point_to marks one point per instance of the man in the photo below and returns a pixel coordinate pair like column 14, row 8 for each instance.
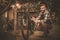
column 44, row 17
column 44, row 13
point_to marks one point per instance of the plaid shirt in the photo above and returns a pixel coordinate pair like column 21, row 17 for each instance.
column 46, row 15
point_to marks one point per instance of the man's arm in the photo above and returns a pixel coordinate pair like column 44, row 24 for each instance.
column 39, row 16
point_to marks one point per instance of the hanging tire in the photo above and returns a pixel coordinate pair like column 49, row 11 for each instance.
column 4, row 5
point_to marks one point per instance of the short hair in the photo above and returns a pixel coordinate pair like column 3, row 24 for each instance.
column 42, row 4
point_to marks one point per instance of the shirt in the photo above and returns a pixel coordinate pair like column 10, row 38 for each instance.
column 44, row 16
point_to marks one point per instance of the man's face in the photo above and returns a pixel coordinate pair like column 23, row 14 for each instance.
column 42, row 8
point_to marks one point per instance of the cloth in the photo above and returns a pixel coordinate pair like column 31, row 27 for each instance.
column 44, row 16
